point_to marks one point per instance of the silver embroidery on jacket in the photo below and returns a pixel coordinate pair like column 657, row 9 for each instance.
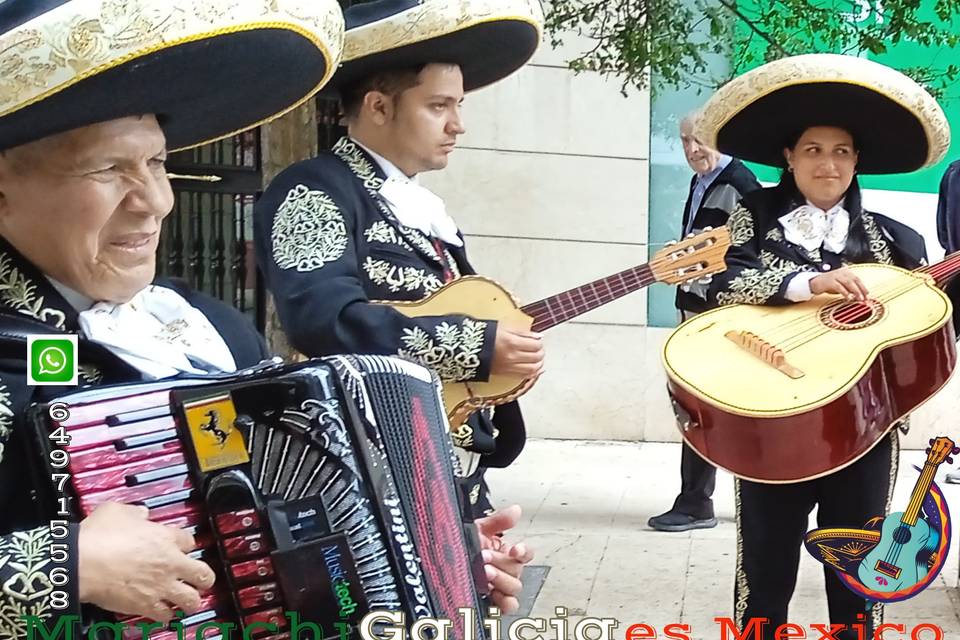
column 309, row 231
column 454, row 352
column 397, row 278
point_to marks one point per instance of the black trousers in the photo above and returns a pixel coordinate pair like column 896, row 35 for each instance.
column 771, row 523
column 698, row 478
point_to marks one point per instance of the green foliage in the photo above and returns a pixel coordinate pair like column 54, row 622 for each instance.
column 673, row 40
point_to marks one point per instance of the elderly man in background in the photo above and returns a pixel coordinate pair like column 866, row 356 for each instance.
column 718, row 184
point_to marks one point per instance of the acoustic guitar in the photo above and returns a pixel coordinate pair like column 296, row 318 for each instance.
column 788, row 393
column 694, row 258
column 900, row 559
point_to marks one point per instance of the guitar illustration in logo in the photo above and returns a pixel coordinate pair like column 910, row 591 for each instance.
column 907, row 541
column 895, row 557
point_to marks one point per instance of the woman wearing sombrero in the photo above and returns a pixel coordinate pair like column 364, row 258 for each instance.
column 93, row 94
column 354, row 225
column 822, row 118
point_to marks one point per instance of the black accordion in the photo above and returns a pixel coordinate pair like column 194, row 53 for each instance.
column 325, row 488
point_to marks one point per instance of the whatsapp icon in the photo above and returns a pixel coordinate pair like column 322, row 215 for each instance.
column 52, row 360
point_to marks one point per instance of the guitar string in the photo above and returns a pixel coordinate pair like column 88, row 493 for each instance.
column 937, row 270
column 563, row 306
column 900, row 287
column 895, row 287
column 845, row 315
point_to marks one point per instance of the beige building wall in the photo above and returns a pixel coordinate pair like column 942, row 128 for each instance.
column 550, row 186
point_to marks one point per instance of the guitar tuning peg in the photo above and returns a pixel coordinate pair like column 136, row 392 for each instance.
column 932, row 440
column 708, row 228
column 927, row 450
column 955, row 451
column 705, row 280
column 949, row 460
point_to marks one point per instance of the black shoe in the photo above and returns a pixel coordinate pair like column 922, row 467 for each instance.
column 674, row 520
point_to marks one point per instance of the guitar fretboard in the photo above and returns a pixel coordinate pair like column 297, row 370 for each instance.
column 912, row 513
column 943, row 270
column 564, row 306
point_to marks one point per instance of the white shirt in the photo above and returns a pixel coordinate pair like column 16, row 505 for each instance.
column 158, row 332
column 414, row 205
column 812, row 228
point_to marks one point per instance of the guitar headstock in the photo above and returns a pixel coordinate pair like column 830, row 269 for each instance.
column 692, row 258
column 940, row 450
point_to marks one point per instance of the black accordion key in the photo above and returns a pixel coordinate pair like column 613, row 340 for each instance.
column 112, row 455
column 135, row 473
column 154, row 494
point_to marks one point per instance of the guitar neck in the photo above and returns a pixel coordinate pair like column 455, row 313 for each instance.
column 945, row 269
column 920, row 490
column 561, row 307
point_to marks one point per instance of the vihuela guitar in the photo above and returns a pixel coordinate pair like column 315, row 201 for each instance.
column 900, row 559
column 691, row 259
column 788, row 393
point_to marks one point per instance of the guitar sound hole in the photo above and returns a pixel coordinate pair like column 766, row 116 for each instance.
column 845, row 315
column 901, row 535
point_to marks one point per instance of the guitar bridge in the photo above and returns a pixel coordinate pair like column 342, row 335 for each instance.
column 887, row 569
column 774, row 356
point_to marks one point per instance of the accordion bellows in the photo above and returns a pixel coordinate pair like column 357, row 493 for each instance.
column 325, row 488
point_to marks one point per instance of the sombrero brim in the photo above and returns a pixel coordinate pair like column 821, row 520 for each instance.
column 205, row 76
column 898, row 126
column 489, row 40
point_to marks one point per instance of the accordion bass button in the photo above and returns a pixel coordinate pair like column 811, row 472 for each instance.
column 239, row 546
column 251, row 569
column 270, row 616
column 236, row 521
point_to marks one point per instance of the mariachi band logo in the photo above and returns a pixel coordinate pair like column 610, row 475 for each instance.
column 895, row 557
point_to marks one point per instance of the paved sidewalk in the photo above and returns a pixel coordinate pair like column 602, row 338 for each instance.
column 586, row 506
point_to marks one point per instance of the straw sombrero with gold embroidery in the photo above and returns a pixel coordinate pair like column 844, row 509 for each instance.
column 897, row 125
column 206, row 68
column 488, row 39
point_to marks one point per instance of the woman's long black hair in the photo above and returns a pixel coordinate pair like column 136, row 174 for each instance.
column 858, row 246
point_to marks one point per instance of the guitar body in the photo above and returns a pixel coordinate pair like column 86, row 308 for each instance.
column 479, row 298
column 790, row 393
column 899, row 560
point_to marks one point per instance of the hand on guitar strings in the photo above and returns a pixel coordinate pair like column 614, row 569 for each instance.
column 517, row 353
column 503, row 562
column 130, row 565
column 842, row 281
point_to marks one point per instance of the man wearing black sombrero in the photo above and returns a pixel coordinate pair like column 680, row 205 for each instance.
column 93, row 94
column 823, row 119
column 354, row 225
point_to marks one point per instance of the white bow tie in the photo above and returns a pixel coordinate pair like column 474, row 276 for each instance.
column 419, row 208
column 812, row 227
column 159, row 333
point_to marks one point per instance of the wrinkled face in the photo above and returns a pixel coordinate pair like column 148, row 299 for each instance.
column 426, row 120
column 701, row 158
column 823, row 163
column 86, row 206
